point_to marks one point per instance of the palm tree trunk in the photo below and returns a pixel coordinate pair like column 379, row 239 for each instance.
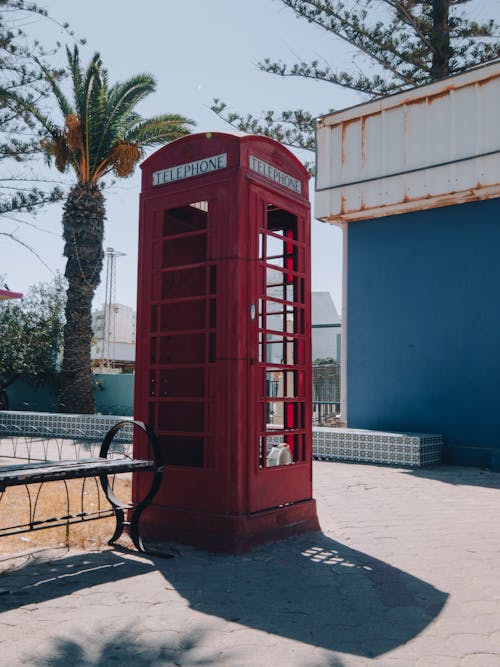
column 83, row 226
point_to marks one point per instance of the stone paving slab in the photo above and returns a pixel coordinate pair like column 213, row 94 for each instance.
column 406, row 571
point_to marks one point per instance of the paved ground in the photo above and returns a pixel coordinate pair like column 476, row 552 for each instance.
column 405, row 572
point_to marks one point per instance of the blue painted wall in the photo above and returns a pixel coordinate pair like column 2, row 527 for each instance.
column 424, row 327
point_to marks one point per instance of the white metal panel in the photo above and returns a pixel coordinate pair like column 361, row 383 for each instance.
column 415, row 142
column 351, row 137
column 393, row 139
column 439, row 140
column 489, row 129
column 430, row 146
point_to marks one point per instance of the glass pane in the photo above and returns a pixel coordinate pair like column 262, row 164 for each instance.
column 275, row 350
column 289, row 352
column 273, row 385
column 275, row 414
column 274, row 278
column 281, row 384
column 276, row 322
column 275, row 251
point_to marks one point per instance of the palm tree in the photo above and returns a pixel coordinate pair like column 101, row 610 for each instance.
column 101, row 133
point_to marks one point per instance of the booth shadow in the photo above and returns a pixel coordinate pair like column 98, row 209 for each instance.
column 315, row 590
column 311, row 589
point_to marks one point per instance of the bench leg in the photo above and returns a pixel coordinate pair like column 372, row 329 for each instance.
column 136, row 511
column 134, row 528
column 139, row 509
column 117, row 508
column 140, row 506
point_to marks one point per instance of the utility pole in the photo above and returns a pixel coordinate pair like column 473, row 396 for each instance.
column 108, row 332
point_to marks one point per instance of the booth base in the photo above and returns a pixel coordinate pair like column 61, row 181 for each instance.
column 225, row 532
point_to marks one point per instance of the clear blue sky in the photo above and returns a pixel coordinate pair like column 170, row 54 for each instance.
column 197, row 50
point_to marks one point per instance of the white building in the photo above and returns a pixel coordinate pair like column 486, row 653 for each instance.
column 114, row 330
column 326, row 330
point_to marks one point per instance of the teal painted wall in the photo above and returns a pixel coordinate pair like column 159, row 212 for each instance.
column 116, row 397
column 114, row 394
column 25, row 396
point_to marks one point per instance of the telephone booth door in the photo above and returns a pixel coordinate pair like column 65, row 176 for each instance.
column 282, row 351
column 177, row 374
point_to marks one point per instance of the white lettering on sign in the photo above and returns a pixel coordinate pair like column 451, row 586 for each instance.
column 274, row 174
column 190, row 169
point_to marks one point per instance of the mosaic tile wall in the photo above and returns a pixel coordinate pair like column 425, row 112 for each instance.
column 403, row 449
column 361, row 446
column 61, row 425
column 329, row 444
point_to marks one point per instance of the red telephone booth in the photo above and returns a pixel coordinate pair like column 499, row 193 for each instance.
column 223, row 367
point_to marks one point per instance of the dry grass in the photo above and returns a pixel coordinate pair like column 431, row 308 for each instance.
column 51, row 500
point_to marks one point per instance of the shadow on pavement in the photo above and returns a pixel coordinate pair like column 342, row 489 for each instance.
column 311, row 589
column 123, row 649
column 457, row 475
column 315, row 590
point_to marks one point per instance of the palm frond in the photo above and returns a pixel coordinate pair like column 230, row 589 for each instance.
column 124, row 97
column 119, row 116
column 96, row 118
column 90, row 92
column 76, row 76
column 102, row 132
column 159, row 130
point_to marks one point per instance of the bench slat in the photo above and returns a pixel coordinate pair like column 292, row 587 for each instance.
column 51, row 471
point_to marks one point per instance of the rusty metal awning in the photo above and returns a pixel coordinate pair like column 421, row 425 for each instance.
column 7, row 294
column 435, row 145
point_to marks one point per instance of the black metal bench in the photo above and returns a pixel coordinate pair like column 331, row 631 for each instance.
column 98, row 466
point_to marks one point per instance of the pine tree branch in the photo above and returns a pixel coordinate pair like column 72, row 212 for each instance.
column 350, row 27
column 415, row 45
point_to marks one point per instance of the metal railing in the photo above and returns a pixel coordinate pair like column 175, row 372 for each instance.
column 326, row 393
